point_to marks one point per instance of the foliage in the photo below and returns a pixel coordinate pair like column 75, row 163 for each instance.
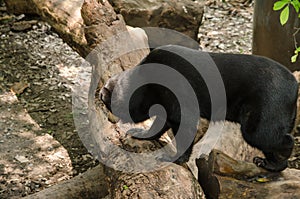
column 294, row 57
column 284, row 6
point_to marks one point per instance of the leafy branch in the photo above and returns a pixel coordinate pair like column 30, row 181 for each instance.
column 284, row 6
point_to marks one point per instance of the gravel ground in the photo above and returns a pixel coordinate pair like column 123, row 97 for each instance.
column 226, row 27
column 39, row 145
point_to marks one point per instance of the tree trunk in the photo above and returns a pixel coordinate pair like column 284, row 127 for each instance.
column 171, row 181
column 270, row 38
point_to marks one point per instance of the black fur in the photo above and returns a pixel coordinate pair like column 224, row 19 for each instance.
column 261, row 95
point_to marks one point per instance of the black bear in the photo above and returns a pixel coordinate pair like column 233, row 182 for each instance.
column 260, row 94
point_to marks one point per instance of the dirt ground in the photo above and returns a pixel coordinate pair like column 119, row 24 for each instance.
column 39, row 145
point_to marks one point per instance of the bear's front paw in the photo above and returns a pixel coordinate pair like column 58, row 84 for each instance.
column 260, row 162
column 270, row 165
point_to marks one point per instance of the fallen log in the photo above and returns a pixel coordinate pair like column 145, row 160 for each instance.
column 91, row 184
column 229, row 178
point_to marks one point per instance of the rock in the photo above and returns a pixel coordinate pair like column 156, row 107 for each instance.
column 182, row 15
column 21, row 159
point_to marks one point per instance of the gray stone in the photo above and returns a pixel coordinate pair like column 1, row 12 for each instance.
column 184, row 16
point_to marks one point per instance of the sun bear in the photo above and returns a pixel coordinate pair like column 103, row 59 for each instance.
column 260, row 94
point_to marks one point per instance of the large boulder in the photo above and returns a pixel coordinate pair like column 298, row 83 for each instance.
column 182, row 15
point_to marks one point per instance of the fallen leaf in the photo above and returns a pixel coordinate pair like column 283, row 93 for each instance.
column 19, row 87
column 262, row 180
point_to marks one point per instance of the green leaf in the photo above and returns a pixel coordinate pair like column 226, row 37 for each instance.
column 296, row 5
column 279, row 5
column 294, row 58
column 297, row 2
column 284, row 15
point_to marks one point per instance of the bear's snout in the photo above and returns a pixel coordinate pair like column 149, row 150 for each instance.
column 105, row 96
column 106, row 91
